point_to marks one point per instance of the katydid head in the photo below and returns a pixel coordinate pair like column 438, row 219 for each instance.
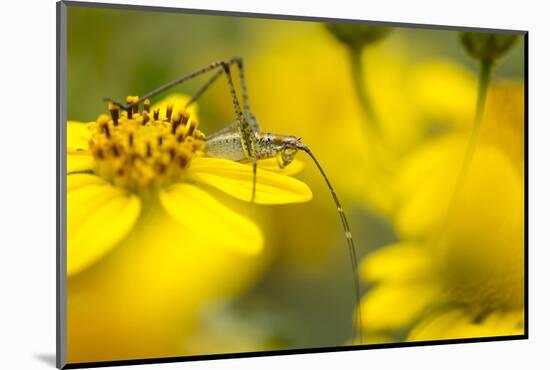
column 283, row 146
column 287, row 156
column 290, row 146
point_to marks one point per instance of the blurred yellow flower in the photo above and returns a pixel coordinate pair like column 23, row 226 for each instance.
column 457, row 272
column 147, row 243
column 310, row 92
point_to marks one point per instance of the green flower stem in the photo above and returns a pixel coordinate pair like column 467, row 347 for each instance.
column 482, row 89
column 356, row 60
column 381, row 157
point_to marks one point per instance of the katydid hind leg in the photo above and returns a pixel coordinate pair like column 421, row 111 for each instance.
column 204, row 87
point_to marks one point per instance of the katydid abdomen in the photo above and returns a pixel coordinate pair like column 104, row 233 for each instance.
column 227, row 145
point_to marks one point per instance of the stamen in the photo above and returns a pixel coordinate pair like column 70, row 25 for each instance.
column 161, row 167
column 188, row 140
column 176, row 121
column 114, row 110
column 146, row 105
column 130, row 100
column 145, row 118
column 191, row 128
column 169, row 109
column 182, row 161
column 199, row 135
column 103, row 122
column 199, row 140
column 156, row 113
column 185, row 117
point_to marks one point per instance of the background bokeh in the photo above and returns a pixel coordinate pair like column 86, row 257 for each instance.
column 300, row 293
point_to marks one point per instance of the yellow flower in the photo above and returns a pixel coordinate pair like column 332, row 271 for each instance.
column 115, row 165
column 458, row 272
column 148, row 242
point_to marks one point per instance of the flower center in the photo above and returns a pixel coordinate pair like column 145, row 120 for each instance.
column 137, row 150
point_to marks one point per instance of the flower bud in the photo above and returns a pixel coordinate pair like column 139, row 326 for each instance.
column 357, row 35
column 487, row 47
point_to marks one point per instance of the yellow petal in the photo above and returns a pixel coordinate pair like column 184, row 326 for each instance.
column 456, row 324
column 503, row 123
column 80, row 161
column 403, row 261
column 374, row 338
column 178, row 101
column 426, row 184
column 482, row 247
column 76, row 181
column 444, row 326
column 199, row 212
column 443, row 91
column 393, row 306
column 506, row 323
column 157, row 281
column 295, row 167
column 235, row 179
column 78, row 136
column 99, row 215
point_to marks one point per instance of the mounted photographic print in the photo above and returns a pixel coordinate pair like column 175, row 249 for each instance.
column 234, row 184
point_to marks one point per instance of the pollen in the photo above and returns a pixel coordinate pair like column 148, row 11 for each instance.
column 138, row 150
